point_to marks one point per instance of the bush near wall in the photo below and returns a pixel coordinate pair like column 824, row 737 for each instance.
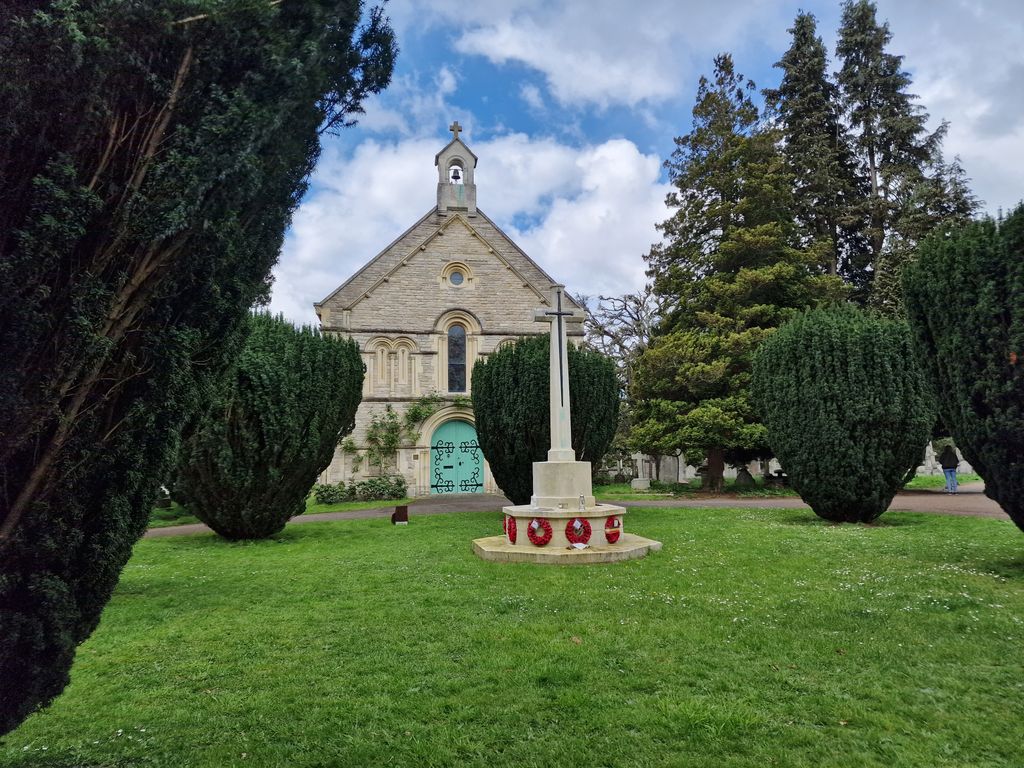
column 848, row 412
column 372, row 489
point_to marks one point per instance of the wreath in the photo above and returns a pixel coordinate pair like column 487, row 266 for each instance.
column 539, row 531
column 612, row 529
column 577, row 530
column 510, row 528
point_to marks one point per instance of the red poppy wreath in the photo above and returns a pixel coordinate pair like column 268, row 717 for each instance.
column 539, row 531
column 577, row 530
column 510, row 528
column 612, row 529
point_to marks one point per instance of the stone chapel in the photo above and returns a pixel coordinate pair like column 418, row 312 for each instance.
column 448, row 292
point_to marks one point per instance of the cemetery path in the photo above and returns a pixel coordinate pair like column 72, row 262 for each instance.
column 970, row 502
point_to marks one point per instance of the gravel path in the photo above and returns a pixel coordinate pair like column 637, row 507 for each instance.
column 970, row 502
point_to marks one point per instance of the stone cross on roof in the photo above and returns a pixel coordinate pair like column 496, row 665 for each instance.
column 455, row 128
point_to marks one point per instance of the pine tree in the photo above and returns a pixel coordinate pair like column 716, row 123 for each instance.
column 290, row 399
column 828, row 193
column 151, row 155
column 893, row 144
column 731, row 268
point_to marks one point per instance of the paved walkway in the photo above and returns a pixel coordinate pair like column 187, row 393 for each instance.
column 970, row 502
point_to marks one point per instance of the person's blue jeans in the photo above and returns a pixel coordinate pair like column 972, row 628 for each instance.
column 950, row 480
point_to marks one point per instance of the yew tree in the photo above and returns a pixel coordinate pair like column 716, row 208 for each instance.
column 151, row 155
column 965, row 301
column 511, row 409
column 848, row 413
column 290, row 399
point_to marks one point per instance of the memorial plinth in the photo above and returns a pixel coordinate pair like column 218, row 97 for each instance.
column 563, row 523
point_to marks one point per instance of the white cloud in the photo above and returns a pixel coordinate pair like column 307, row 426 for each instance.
column 967, row 62
column 605, row 52
column 530, row 93
column 592, row 211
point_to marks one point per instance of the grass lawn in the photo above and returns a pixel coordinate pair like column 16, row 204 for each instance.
column 624, row 492
column 926, row 482
column 178, row 515
column 755, row 638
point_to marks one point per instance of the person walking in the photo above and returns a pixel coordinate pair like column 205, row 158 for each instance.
column 949, row 462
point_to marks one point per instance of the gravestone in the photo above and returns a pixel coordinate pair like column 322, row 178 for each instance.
column 563, row 523
column 641, row 482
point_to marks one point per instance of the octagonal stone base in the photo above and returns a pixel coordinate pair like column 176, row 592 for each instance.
column 628, row 547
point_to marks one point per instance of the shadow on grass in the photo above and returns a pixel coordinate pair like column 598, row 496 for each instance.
column 899, row 520
column 1009, row 569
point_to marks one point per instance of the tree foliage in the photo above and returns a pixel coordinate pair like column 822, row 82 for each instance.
column 732, row 268
column 151, row 154
column 292, row 397
column 848, row 413
column 965, row 301
column 828, row 191
column 893, row 146
column 511, row 409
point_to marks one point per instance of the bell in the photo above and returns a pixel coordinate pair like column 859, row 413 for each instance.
column 455, row 174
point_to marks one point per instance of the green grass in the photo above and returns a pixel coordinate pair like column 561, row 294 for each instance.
column 178, row 515
column 755, row 638
column 927, row 482
column 312, row 508
column 623, row 492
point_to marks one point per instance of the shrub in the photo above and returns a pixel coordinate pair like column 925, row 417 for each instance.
column 510, row 404
column 965, row 301
column 847, row 411
column 380, row 488
column 330, row 494
column 250, row 466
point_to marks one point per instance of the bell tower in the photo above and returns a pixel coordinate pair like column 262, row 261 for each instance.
column 456, row 188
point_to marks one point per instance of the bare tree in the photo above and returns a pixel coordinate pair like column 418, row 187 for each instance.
column 621, row 326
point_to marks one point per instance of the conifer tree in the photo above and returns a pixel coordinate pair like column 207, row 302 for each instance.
column 732, row 269
column 892, row 142
column 151, row 155
column 965, row 302
column 510, row 406
column 828, row 192
column 291, row 397
column 847, row 410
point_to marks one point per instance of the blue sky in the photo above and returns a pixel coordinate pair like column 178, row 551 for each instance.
column 572, row 107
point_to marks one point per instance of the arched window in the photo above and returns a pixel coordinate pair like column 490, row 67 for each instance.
column 457, row 359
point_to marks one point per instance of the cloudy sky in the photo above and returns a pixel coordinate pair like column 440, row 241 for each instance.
column 572, row 107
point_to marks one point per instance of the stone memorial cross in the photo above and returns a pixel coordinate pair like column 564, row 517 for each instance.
column 561, row 425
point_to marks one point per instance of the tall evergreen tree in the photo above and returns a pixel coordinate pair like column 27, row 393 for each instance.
column 731, row 267
column 893, row 144
column 828, row 192
column 292, row 396
column 965, row 302
column 151, row 155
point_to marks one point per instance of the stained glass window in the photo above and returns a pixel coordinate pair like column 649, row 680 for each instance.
column 456, row 359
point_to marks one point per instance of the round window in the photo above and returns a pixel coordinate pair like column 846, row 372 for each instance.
column 455, row 278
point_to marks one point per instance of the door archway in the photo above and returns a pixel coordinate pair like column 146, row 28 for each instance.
column 456, row 461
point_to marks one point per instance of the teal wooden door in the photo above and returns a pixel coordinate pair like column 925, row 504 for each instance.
column 456, row 461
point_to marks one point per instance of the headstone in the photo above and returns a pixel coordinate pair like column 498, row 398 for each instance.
column 743, row 478
column 401, row 515
column 641, row 482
